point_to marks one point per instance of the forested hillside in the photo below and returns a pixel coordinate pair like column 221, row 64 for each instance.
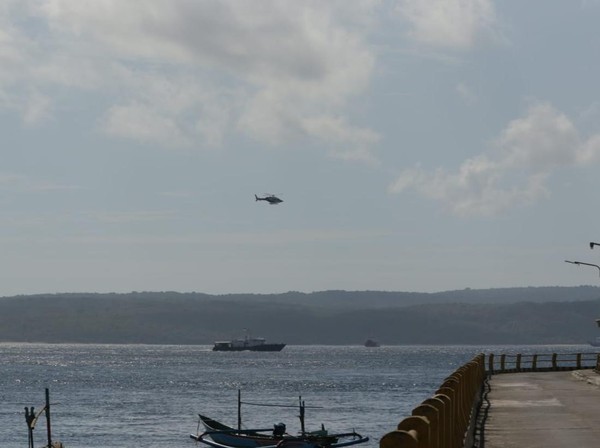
column 512, row 316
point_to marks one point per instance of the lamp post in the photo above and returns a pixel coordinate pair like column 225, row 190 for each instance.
column 578, row 263
column 582, row 263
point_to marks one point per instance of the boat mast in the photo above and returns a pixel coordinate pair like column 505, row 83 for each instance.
column 301, row 403
column 48, row 430
column 239, row 410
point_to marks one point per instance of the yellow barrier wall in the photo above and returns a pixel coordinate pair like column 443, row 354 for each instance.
column 442, row 421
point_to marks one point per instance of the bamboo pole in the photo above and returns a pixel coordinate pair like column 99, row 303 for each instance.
column 48, row 429
column 239, row 410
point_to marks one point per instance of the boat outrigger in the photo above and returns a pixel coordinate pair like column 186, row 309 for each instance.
column 218, row 435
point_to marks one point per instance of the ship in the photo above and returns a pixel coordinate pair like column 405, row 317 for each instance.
column 247, row 343
column 371, row 343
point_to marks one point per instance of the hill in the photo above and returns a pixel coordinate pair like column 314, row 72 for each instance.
column 498, row 316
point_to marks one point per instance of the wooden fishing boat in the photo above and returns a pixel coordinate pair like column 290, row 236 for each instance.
column 224, row 435
column 219, row 435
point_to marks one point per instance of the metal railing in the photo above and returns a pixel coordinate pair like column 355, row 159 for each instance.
column 507, row 363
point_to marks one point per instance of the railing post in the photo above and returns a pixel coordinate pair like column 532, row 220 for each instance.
column 502, row 362
column 518, row 366
column 554, row 363
column 491, row 363
column 452, row 406
column 534, row 363
column 432, row 414
column 578, row 361
column 399, row 439
column 448, row 419
column 419, row 425
column 455, row 384
column 438, row 402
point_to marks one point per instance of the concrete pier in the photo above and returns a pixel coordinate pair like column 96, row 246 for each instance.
column 546, row 400
column 543, row 409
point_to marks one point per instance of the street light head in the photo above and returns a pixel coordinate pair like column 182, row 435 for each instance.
column 580, row 263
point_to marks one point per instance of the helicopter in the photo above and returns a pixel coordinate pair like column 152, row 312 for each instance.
column 270, row 198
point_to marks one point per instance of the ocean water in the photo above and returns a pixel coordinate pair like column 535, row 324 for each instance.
column 149, row 396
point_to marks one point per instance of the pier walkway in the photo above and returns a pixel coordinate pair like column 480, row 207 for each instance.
column 520, row 400
column 543, row 409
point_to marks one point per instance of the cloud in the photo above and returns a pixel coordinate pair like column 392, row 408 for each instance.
column 340, row 136
column 196, row 71
column 516, row 170
column 452, row 24
column 145, row 123
column 590, row 151
column 541, row 141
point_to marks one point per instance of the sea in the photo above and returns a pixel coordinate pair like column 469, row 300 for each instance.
column 150, row 395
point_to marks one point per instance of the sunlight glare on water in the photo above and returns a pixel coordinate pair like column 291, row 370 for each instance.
column 118, row 396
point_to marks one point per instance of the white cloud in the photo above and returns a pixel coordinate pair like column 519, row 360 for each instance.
column 516, row 170
column 590, row 151
column 195, row 70
column 340, row 136
column 540, row 141
column 143, row 122
column 449, row 23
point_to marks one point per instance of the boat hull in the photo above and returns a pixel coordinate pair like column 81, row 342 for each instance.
column 225, row 435
column 286, row 443
column 252, row 348
column 240, row 441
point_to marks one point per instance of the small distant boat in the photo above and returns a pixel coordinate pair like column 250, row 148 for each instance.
column 218, row 435
column 247, row 343
column 371, row 343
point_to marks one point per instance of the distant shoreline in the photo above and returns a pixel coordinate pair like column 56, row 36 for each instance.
column 513, row 316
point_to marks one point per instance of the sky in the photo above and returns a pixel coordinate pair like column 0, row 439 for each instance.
column 418, row 145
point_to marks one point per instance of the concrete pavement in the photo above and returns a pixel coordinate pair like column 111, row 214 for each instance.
column 543, row 409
